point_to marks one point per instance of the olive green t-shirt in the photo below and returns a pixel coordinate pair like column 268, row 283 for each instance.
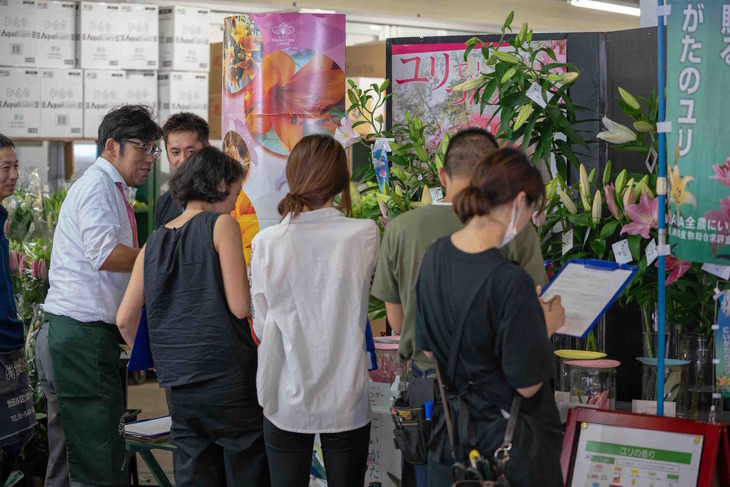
column 405, row 242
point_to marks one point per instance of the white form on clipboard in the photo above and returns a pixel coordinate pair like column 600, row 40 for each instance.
column 587, row 288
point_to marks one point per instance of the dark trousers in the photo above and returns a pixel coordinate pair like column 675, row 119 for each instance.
column 9, row 454
column 290, row 456
column 217, row 427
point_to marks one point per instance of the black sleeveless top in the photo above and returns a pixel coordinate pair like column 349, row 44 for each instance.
column 193, row 334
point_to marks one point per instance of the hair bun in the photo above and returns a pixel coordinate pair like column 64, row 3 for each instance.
column 470, row 202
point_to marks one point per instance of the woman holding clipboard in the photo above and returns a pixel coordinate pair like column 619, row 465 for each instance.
column 480, row 318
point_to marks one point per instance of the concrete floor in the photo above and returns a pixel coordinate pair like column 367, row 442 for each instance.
column 150, row 398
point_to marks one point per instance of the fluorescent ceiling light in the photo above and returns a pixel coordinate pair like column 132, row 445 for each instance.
column 607, row 7
column 316, row 11
column 374, row 27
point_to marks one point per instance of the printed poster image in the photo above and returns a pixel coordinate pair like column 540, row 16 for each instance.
column 423, row 77
column 283, row 79
column 611, row 456
column 698, row 149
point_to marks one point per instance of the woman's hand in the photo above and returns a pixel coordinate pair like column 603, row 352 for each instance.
column 554, row 313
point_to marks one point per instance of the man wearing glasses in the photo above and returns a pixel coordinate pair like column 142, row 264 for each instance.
column 77, row 349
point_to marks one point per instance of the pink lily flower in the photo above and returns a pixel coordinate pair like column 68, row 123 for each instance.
column 643, row 216
column 722, row 173
column 21, row 264
column 14, row 258
column 677, row 268
column 538, row 219
column 39, row 270
column 384, row 212
column 609, row 189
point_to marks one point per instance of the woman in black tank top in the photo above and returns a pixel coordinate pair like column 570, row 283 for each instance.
column 192, row 279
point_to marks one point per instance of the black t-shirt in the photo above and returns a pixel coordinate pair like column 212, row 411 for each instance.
column 166, row 210
column 504, row 345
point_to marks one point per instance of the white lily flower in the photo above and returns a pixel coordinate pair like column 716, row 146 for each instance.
column 615, row 132
column 345, row 134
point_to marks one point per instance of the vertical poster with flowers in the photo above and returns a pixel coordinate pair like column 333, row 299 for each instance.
column 283, row 79
column 424, row 75
column 698, row 146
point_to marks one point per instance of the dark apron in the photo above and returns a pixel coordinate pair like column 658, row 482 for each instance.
column 16, row 399
column 85, row 360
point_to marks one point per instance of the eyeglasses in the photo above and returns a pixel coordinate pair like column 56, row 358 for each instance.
column 147, row 149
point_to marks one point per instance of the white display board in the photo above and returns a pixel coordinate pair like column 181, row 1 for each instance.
column 611, row 456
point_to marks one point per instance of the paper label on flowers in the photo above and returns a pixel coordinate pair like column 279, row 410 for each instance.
column 567, row 241
column 651, row 252
column 621, row 252
column 698, row 149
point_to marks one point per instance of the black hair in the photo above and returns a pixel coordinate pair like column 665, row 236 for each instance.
column 187, row 122
column 6, row 142
column 197, row 178
column 498, row 179
column 467, row 149
column 128, row 122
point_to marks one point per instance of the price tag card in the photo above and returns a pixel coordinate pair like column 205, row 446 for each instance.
column 621, row 252
column 437, row 194
column 567, row 241
column 651, row 252
column 379, row 396
column 534, row 93
column 721, row 271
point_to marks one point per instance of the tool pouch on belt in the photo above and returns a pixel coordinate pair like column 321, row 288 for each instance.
column 411, row 433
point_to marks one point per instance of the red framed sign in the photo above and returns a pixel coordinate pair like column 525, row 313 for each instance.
column 615, row 449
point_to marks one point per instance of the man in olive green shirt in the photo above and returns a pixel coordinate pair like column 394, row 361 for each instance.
column 409, row 235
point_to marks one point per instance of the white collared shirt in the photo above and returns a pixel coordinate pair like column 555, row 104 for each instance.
column 310, row 286
column 93, row 220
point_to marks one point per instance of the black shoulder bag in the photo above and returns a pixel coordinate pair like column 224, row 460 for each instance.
column 477, row 472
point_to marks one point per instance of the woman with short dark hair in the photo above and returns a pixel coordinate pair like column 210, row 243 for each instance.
column 310, row 279
column 192, row 277
column 479, row 317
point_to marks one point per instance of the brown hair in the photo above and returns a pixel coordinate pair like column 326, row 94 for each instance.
column 316, row 171
column 497, row 180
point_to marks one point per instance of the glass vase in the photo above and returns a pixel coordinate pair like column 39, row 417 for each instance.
column 594, row 342
column 697, row 349
column 650, row 335
column 675, row 385
column 593, row 383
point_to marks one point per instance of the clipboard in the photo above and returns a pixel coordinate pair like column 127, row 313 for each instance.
column 141, row 356
column 587, row 310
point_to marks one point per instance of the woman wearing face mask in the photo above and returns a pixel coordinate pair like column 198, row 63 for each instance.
column 480, row 318
column 191, row 275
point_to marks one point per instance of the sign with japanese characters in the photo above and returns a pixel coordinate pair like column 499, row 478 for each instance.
column 698, row 146
column 722, row 346
column 613, row 456
column 423, row 77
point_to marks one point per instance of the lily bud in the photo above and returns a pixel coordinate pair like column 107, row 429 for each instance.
column 615, row 132
column 508, row 75
column 550, row 189
column 585, row 188
column 611, row 201
column 629, row 196
column 522, row 117
column 569, row 205
column 570, row 77
column 643, row 126
column 506, row 57
column 629, row 99
column 471, row 84
column 607, row 173
column 382, row 198
column 597, row 208
column 426, row 196
column 621, row 181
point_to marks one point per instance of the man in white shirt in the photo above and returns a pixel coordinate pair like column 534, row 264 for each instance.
column 94, row 249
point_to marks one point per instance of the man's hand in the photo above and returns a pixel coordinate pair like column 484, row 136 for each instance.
column 554, row 313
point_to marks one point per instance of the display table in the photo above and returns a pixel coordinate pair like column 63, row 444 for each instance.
column 144, row 449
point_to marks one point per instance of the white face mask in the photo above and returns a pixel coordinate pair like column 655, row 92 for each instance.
column 512, row 227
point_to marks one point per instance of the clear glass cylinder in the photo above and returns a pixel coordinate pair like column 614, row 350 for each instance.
column 675, row 386
column 593, row 383
column 697, row 349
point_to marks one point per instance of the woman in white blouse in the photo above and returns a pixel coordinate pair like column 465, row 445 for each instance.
column 310, row 279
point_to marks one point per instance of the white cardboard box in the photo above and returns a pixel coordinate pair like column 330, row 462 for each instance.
column 182, row 91
column 18, row 32
column 140, row 88
column 103, row 90
column 20, row 102
column 56, row 34
column 100, row 28
column 140, row 37
column 62, row 102
column 184, row 39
